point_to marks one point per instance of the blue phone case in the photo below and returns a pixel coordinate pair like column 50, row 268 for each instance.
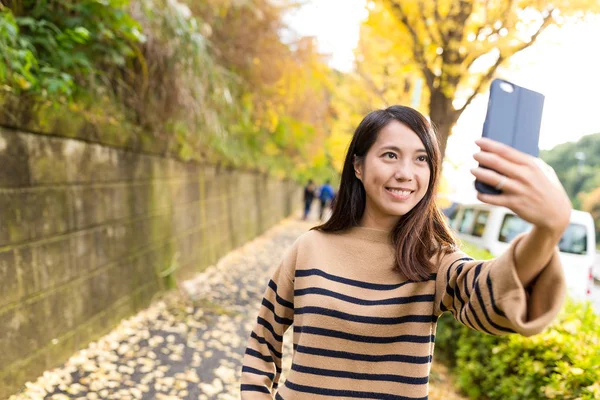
column 514, row 117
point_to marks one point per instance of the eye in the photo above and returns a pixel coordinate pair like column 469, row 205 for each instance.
column 390, row 155
column 422, row 158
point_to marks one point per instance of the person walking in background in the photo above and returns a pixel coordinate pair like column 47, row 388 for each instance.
column 326, row 194
column 309, row 195
column 364, row 290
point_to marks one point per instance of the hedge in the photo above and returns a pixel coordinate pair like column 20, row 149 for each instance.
column 563, row 362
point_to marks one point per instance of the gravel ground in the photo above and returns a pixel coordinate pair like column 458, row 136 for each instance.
column 188, row 344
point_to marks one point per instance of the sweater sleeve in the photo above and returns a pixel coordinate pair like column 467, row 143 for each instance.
column 261, row 368
column 489, row 297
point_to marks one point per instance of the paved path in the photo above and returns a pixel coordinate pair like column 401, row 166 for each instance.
column 186, row 347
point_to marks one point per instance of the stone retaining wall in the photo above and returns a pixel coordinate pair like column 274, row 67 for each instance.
column 89, row 233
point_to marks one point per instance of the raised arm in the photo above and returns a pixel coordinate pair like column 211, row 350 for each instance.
column 489, row 296
column 531, row 189
column 523, row 289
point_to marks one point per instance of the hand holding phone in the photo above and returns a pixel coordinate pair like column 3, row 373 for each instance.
column 514, row 117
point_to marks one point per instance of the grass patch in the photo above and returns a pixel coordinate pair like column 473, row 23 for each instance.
column 475, row 251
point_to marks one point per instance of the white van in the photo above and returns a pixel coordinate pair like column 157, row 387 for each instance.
column 493, row 228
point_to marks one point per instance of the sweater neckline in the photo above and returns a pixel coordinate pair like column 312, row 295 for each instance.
column 371, row 234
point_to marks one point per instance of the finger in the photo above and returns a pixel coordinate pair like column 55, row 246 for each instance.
column 493, row 178
column 501, row 200
column 498, row 163
column 510, row 153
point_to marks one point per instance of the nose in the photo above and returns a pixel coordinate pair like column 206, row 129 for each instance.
column 404, row 171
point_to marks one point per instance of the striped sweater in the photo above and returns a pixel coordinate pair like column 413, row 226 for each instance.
column 362, row 330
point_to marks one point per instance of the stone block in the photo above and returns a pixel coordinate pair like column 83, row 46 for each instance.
column 9, row 278
column 13, row 377
column 90, row 163
column 96, row 293
column 123, row 240
column 122, row 278
column 26, row 262
column 120, row 202
column 64, row 311
column 141, row 199
column 47, row 159
column 103, row 245
column 83, row 253
column 59, row 350
column 51, row 263
column 14, row 227
column 141, row 233
column 145, row 266
column 92, row 206
column 22, row 331
column 161, row 197
column 14, row 159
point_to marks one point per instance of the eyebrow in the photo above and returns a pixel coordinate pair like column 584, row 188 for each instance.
column 398, row 150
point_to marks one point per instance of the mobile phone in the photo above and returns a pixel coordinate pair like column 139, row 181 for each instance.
column 514, row 117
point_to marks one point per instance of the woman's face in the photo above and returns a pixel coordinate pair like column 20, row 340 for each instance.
column 395, row 175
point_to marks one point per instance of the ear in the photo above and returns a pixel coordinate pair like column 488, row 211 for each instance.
column 357, row 167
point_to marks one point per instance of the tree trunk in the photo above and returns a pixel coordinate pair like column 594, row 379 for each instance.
column 443, row 115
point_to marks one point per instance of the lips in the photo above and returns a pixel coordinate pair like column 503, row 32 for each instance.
column 399, row 193
column 399, row 190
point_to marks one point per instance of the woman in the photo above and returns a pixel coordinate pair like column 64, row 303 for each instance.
column 365, row 289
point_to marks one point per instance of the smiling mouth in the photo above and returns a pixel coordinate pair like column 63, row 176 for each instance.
column 399, row 193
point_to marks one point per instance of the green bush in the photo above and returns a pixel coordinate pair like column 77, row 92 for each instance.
column 49, row 49
column 560, row 363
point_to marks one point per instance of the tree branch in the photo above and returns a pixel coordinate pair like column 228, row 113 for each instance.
column 438, row 19
column 417, row 45
column 488, row 76
column 427, row 26
column 378, row 92
column 483, row 80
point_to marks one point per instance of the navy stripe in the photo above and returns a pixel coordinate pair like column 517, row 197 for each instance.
column 268, row 325
column 494, row 306
column 279, row 299
column 347, row 393
column 269, row 359
column 487, row 317
column 363, row 357
column 457, row 292
column 474, row 314
column 255, row 371
column 364, row 339
column 262, row 340
column 470, row 304
column 278, row 397
column 255, row 388
column 449, row 288
column 364, row 319
column 361, row 376
column 443, row 307
column 463, row 312
column 254, row 353
column 351, row 282
column 475, row 286
column 477, row 272
column 356, row 300
column 278, row 319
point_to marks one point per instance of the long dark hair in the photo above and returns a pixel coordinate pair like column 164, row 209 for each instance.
column 421, row 233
